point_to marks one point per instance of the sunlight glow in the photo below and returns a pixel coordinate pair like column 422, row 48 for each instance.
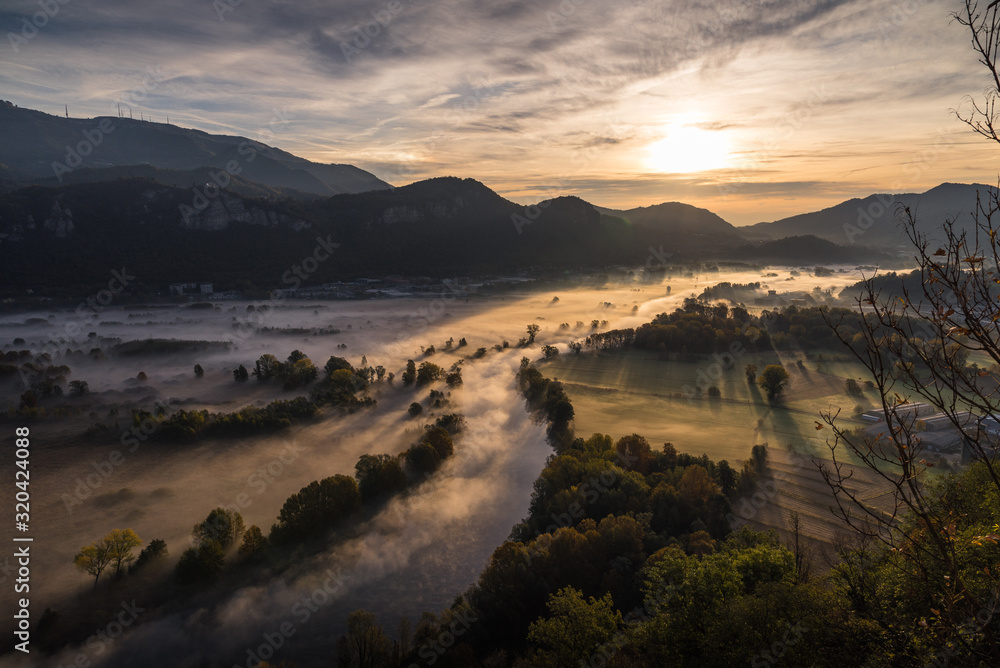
column 685, row 149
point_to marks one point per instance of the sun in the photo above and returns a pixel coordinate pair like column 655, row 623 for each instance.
column 685, row 149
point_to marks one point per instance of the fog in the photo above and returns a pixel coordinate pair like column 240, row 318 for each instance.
column 416, row 554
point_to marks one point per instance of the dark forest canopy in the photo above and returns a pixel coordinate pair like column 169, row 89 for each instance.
column 699, row 328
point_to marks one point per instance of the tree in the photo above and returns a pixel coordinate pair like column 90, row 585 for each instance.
column 241, row 375
column 984, row 28
column 410, row 374
column 454, row 379
column 915, row 343
column 367, row 645
column 115, row 548
column 696, row 485
column 300, row 372
column 533, row 330
column 253, row 541
column 78, row 388
column 198, row 371
column 267, row 367
column 29, row 399
column 415, row 409
column 93, row 559
column 549, row 351
column 423, row 458
column 222, row 526
column 574, row 629
column 635, row 451
column 440, row 439
column 337, row 364
column 321, row 505
column 851, row 387
column 156, row 550
column 726, row 476
column 379, row 476
column 751, row 372
column 201, row 564
column 120, row 543
column 801, row 551
column 428, row 373
column 773, row 380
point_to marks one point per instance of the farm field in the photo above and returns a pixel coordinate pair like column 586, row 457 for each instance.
column 626, row 392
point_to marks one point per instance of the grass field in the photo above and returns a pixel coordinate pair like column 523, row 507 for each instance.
column 641, row 392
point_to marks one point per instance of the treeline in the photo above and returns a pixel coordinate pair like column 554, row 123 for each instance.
column 222, row 543
column 186, row 425
column 319, row 507
column 297, row 370
column 627, row 559
column 548, row 398
column 327, row 503
column 44, row 380
column 806, row 328
column 604, row 517
column 888, row 285
column 698, row 329
column 146, row 347
column 309, row 514
column 734, row 292
column 339, row 388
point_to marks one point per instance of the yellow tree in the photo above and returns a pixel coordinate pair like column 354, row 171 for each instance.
column 93, row 559
column 120, row 543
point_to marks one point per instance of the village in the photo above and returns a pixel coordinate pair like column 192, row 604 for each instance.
column 946, row 439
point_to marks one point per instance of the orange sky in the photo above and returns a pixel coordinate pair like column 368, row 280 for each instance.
column 755, row 110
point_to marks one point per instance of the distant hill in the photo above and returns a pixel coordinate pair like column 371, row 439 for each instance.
column 874, row 220
column 676, row 217
column 439, row 227
column 806, row 249
column 32, row 141
column 191, row 178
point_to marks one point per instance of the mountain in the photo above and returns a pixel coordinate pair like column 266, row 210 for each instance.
column 191, row 178
column 676, row 217
column 875, row 221
column 39, row 147
column 806, row 249
column 440, row 227
column 443, row 226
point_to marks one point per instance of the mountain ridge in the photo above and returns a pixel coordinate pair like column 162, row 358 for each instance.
column 43, row 146
column 447, row 226
column 874, row 220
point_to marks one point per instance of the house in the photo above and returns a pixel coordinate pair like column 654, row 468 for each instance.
column 181, row 289
column 873, row 416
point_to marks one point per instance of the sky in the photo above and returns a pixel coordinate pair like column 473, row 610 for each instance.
column 756, row 110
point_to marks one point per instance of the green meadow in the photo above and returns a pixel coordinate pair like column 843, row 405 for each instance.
column 634, row 391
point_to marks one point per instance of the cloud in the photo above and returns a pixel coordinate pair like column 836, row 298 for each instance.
column 489, row 80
